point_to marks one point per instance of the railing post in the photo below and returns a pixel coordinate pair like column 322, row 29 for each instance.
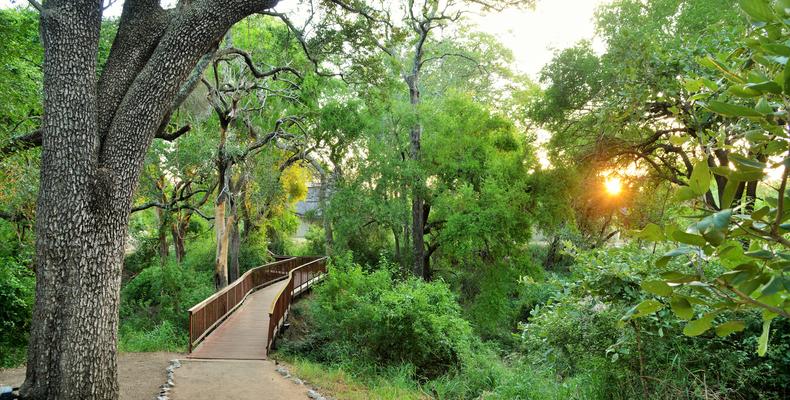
column 190, row 332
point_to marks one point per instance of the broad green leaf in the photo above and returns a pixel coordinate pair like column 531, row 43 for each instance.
column 659, row 288
column 681, row 307
column 742, row 91
column 700, row 177
column 775, row 285
column 760, row 213
column 786, row 79
column 746, row 164
column 689, row 238
column 685, row 193
column 651, row 232
column 728, row 196
column 646, row 307
column 761, row 254
column 712, row 63
column 758, row 10
column 756, row 136
column 765, row 87
column 730, row 327
column 693, row 85
column 732, row 110
column 699, row 326
column 763, row 106
column 713, row 227
column 662, row 262
column 762, row 342
column 778, row 49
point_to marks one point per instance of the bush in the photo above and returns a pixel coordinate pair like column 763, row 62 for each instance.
column 154, row 306
column 162, row 337
column 372, row 321
column 578, row 333
column 17, row 291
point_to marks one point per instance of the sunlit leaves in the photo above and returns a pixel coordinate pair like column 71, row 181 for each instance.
column 758, row 10
column 700, row 178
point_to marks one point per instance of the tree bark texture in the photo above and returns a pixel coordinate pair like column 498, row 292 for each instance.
column 95, row 136
column 417, row 201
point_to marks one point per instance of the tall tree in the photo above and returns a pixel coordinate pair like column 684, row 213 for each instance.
column 95, row 133
column 409, row 35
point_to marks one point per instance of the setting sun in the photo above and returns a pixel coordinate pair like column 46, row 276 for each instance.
column 613, row 185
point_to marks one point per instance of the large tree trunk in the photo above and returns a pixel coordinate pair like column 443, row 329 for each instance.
column 80, row 231
column 94, row 141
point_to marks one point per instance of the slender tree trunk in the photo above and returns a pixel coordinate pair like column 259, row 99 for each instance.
column 178, row 231
column 417, row 201
column 222, row 222
column 329, row 237
column 396, row 235
column 164, row 248
column 551, row 254
column 234, row 247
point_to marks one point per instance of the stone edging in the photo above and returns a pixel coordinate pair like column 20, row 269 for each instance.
column 311, row 393
column 164, row 390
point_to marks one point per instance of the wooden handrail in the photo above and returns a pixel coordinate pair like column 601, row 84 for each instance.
column 306, row 274
column 209, row 313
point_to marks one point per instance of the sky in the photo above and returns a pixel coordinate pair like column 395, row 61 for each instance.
column 532, row 35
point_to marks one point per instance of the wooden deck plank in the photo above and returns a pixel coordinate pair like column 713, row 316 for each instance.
column 243, row 335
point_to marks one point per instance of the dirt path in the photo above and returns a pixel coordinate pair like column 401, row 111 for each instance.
column 139, row 374
column 233, row 379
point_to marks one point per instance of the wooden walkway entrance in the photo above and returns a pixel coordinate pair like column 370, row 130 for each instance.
column 241, row 321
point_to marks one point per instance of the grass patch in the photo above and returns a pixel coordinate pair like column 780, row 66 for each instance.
column 163, row 337
column 342, row 385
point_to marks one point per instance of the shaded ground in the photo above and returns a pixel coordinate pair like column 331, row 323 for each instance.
column 233, row 379
column 139, row 374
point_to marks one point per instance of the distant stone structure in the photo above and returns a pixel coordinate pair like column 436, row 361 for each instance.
column 308, row 208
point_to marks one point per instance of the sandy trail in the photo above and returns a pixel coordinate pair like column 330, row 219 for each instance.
column 233, row 379
column 139, row 374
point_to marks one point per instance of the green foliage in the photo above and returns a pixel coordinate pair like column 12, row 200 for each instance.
column 162, row 337
column 17, row 290
column 579, row 332
column 369, row 317
column 748, row 237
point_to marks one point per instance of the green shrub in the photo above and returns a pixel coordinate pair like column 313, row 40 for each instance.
column 373, row 321
column 17, row 291
column 495, row 299
column 154, row 305
column 578, row 333
column 162, row 337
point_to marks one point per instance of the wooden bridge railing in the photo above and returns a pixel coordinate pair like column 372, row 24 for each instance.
column 209, row 313
column 299, row 280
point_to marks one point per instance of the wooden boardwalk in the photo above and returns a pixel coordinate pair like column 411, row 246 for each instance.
column 243, row 336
